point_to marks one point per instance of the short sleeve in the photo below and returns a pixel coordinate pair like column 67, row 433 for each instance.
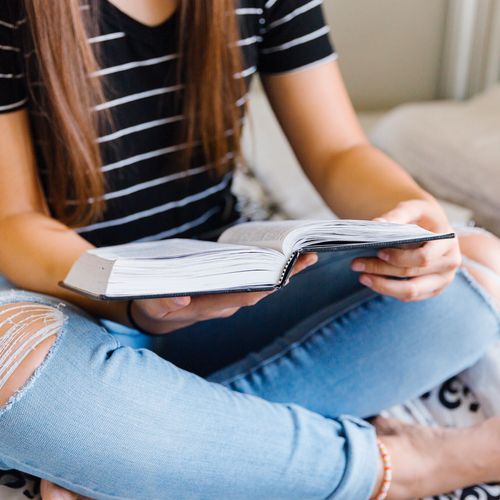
column 295, row 35
column 12, row 84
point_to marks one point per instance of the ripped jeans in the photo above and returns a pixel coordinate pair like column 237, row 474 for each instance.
column 265, row 404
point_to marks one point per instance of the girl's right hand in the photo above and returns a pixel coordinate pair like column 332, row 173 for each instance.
column 160, row 316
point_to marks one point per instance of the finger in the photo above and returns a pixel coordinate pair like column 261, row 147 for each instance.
column 213, row 306
column 160, row 308
column 381, row 268
column 407, row 290
column 308, row 259
column 303, row 262
column 424, row 256
column 227, row 313
column 51, row 491
column 372, row 265
column 183, row 319
column 406, row 212
column 230, row 300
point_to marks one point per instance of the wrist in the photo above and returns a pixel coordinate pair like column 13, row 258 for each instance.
column 380, row 479
column 384, row 479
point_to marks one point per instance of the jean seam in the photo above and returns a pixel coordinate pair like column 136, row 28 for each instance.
column 364, row 463
column 316, row 330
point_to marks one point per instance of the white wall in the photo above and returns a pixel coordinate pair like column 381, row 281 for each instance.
column 390, row 50
column 471, row 61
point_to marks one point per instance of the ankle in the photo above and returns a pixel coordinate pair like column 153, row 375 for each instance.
column 403, row 486
column 453, row 458
column 385, row 473
column 380, row 481
column 415, row 463
column 485, row 456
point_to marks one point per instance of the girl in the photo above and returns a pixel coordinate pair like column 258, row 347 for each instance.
column 121, row 122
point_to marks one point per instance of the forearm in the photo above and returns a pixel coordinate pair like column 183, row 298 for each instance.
column 36, row 253
column 363, row 183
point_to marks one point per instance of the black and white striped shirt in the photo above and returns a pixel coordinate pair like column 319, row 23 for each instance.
column 148, row 196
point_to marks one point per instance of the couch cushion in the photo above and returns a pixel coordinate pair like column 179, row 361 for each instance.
column 452, row 148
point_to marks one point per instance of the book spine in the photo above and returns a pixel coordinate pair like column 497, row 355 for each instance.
column 287, row 268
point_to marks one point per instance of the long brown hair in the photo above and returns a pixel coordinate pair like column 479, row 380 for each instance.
column 67, row 127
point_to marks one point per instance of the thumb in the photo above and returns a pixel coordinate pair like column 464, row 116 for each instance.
column 172, row 304
column 159, row 308
column 406, row 212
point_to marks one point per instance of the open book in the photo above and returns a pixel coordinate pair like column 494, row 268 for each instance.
column 247, row 257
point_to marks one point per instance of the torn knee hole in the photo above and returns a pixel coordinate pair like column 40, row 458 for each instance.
column 27, row 331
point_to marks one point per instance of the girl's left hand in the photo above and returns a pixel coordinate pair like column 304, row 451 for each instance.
column 429, row 269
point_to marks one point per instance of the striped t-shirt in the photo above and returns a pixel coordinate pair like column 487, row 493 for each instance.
column 148, row 195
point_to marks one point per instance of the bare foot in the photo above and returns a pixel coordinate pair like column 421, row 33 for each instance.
column 51, row 491
column 430, row 461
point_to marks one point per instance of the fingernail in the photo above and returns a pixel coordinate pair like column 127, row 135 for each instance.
column 383, row 256
column 358, row 266
column 365, row 280
column 181, row 301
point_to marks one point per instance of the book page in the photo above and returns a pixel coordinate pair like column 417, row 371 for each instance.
column 289, row 236
column 267, row 234
column 343, row 231
column 164, row 249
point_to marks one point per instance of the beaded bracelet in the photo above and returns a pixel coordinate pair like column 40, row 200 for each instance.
column 387, row 478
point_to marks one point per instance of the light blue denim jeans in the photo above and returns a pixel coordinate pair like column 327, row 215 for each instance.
column 266, row 404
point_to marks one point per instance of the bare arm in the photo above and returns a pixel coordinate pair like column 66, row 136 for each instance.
column 358, row 181
column 36, row 251
column 354, row 178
